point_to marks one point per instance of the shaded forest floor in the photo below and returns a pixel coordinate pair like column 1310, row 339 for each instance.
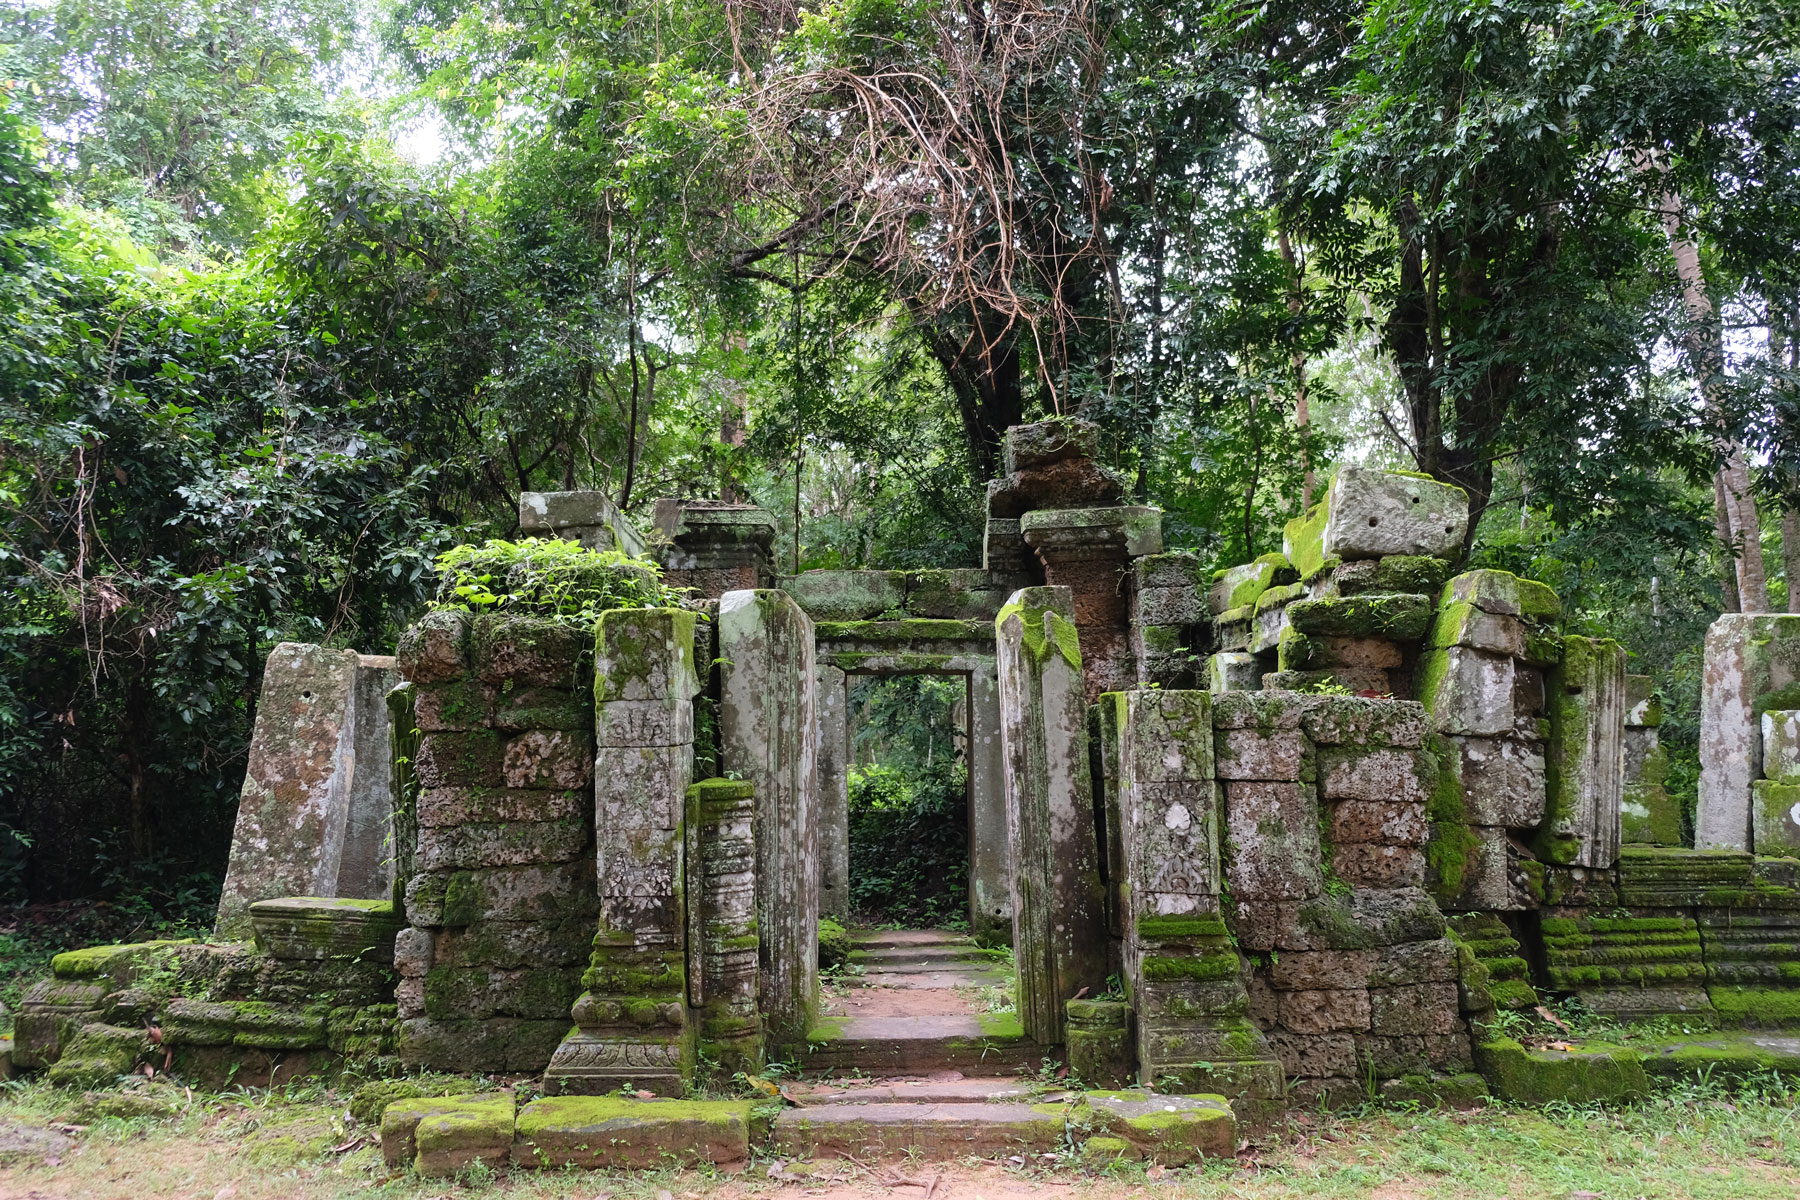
column 1695, row 1142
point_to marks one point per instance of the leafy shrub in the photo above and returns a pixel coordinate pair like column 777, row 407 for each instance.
column 549, row 577
column 909, row 845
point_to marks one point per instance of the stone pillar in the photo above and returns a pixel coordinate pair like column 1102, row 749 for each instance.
column 403, row 789
column 1180, row 966
column 312, row 816
column 1089, row 552
column 722, row 926
column 631, row 1023
column 1059, row 920
column 1649, row 814
column 768, row 727
column 715, row 548
column 588, row 517
column 500, row 902
column 1587, row 755
column 1752, row 665
column 990, row 852
column 834, row 793
column 1168, row 617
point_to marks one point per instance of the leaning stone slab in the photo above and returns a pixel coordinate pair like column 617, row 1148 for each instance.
column 1377, row 513
column 311, row 816
column 1587, row 750
column 610, row 1132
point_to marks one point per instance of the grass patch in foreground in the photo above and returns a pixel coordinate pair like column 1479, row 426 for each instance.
column 1697, row 1141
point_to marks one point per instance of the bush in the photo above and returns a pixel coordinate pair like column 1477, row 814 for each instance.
column 909, row 845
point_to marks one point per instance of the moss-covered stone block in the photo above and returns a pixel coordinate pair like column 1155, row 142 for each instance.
column 444, row 1134
column 1239, row 587
column 1303, row 540
column 613, row 1132
column 1581, row 1076
column 1170, row 1130
column 1399, row 617
column 97, row 1055
column 1775, row 818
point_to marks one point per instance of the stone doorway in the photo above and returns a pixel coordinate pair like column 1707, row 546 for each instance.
column 904, row 893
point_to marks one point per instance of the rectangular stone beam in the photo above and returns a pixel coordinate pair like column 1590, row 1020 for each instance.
column 769, row 736
column 1059, row 918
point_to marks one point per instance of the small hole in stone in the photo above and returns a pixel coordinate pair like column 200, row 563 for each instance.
column 1374, row 521
column 306, row 695
column 1449, row 529
column 1415, row 499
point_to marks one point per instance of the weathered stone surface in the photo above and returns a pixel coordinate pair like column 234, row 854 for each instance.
column 990, row 857
column 1781, row 745
column 1325, row 1010
column 548, row 758
column 1390, row 776
column 530, row 892
column 1752, row 665
column 1502, row 780
column 469, row 759
column 1236, row 587
column 1648, row 813
column 1504, row 594
column 499, row 1044
column 436, row 648
column 1361, row 864
column 834, row 793
column 501, row 844
column 1398, row 617
column 465, row 805
column 1059, row 921
column 1099, row 1041
column 1253, row 754
column 312, row 816
column 609, row 1132
column 768, row 736
column 515, row 651
column 1376, row 513
column 1170, row 605
column 1643, row 708
column 1379, row 822
column 1433, row 961
column 1233, row 671
column 1171, row 1130
column 533, row 993
column 1261, row 711
column 1311, row 970
column 1587, row 721
column 1364, row 722
column 722, row 941
column 588, row 517
column 1463, row 624
column 1313, row 1056
column 312, row 928
column 1775, row 817
column 1272, row 830
column 445, row 1135
column 1468, row 691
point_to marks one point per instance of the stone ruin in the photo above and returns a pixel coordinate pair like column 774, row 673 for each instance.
column 1323, row 814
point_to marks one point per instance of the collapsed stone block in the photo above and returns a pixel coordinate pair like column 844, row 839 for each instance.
column 611, row 1132
column 442, row 1135
column 1378, row 513
column 1233, row 672
column 1468, row 691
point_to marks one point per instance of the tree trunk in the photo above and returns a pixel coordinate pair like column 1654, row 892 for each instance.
column 1740, row 530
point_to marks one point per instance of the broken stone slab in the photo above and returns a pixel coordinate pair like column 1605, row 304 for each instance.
column 1373, row 514
column 1587, row 786
column 1503, row 593
column 1573, row 1076
column 1059, row 930
column 313, row 813
column 612, row 1132
column 768, row 736
column 1415, row 573
column 1363, row 681
column 1752, row 664
column 315, row 928
column 1135, row 530
column 1463, row 624
column 443, row 1135
column 1174, row 1131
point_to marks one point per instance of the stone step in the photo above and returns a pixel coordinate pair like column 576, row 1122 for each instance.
column 889, row 939
column 938, row 980
column 894, row 957
column 933, row 1130
column 975, row 1045
column 814, row 1093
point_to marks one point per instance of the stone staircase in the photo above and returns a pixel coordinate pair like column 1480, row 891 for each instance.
column 920, row 989
column 946, row 1117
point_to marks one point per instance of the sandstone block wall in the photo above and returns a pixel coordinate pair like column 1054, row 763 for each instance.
column 501, row 903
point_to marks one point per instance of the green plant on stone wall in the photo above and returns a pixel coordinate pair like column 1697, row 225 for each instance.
column 548, row 577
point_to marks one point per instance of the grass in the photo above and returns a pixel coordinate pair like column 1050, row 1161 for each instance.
column 1696, row 1141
